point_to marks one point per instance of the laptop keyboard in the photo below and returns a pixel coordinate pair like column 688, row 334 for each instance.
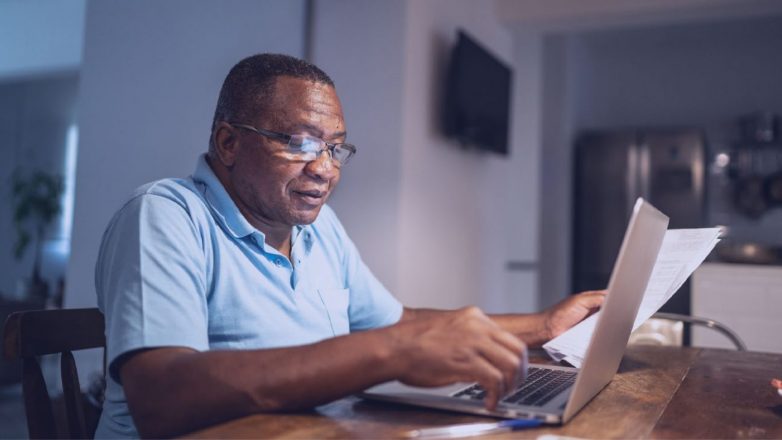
column 541, row 385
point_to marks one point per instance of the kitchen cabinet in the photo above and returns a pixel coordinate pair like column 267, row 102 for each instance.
column 746, row 298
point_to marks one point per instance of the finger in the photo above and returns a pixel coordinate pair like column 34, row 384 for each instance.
column 503, row 360
column 501, row 349
column 490, row 379
column 593, row 294
column 593, row 299
column 517, row 347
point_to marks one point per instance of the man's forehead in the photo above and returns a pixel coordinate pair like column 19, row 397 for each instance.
column 288, row 87
column 307, row 106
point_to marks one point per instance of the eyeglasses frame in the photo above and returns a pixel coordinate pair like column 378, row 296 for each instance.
column 330, row 146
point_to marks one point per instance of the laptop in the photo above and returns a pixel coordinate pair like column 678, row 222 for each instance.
column 553, row 394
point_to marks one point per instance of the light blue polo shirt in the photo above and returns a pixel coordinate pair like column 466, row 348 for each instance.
column 179, row 265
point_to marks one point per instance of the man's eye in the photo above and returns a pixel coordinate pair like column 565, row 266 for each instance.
column 310, row 144
column 296, row 141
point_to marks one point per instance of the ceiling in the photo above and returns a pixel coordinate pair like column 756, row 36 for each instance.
column 579, row 15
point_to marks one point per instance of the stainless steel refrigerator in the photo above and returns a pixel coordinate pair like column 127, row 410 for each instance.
column 612, row 169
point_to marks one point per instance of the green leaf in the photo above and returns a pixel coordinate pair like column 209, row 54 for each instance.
column 36, row 199
column 22, row 240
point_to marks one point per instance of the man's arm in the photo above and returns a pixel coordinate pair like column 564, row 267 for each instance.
column 535, row 329
column 172, row 391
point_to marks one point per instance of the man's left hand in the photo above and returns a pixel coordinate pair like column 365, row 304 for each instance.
column 571, row 311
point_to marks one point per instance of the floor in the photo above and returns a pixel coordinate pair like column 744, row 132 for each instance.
column 13, row 422
column 12, row 419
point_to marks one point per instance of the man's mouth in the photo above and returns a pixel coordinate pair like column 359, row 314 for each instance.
column 312, row 197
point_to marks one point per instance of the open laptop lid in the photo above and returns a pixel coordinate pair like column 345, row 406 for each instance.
column 629, row 279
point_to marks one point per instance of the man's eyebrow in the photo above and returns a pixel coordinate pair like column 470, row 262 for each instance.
column 340, row 134
column 316, row 130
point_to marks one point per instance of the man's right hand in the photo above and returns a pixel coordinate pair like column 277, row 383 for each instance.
column 459, row 346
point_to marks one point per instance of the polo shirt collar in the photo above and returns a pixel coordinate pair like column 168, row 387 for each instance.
column 227, row 213
column 222, row 205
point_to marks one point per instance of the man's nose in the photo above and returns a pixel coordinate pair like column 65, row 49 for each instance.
column 323, row 166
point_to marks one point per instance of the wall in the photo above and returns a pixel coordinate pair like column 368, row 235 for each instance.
column 41, row 36
column 524, row 192
column 555, row 167
column 704, row 74
column 149, row 84
column 461, row 213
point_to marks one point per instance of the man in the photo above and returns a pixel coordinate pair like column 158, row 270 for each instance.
column 237, row 290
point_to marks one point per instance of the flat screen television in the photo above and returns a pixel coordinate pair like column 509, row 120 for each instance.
column 477, row 97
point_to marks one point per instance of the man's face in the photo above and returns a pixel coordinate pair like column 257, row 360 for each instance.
column 274, row 188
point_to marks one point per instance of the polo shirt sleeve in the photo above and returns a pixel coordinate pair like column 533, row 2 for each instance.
column 151, row 279
column 371, row 304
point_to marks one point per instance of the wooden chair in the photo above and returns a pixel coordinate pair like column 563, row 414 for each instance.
column 11, row 371
column 30, row 334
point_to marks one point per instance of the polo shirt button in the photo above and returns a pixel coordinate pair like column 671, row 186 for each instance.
column 278, row 262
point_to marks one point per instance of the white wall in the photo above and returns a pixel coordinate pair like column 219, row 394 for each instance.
column 149, row 84
column 556, row 171
column 40, row 36
column 460, row 212
column 523, row 192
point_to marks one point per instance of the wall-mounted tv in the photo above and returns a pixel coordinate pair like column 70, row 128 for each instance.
column 477, row 97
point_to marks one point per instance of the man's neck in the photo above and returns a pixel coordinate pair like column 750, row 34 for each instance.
column 279, row 241
column 278, row 237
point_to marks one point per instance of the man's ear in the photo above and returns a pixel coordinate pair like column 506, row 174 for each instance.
column 226, row 143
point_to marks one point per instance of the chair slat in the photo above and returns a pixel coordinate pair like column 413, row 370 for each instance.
column 37, row 404
column 71, row 390
column 30, row 334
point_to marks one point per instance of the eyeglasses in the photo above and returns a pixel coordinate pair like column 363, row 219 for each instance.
column 307, row 148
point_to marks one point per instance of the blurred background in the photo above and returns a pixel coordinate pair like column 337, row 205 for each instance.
column 678, row 101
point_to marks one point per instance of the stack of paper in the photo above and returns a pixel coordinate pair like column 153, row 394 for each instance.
column 682, row 251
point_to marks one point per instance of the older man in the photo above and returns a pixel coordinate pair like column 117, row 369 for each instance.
column 237, row 290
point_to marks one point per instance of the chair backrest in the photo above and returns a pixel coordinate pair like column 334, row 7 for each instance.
column 667, row 329
column 708, row 323
column 30, row 334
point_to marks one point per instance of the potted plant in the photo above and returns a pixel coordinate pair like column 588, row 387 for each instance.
column 36, row 200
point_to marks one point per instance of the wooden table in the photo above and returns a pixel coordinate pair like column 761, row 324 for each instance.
column 659, row 392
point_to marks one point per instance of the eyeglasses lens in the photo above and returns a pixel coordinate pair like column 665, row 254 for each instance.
column 309, row 148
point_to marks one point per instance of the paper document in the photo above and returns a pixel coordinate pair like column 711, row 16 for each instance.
column 682, row 251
